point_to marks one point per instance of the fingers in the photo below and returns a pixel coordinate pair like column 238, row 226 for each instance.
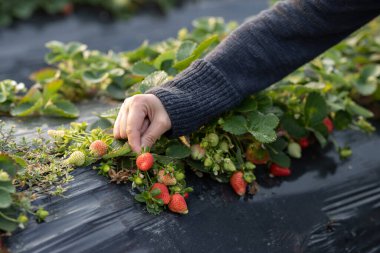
column 145, row 126
column 134, row 123
column 116, row 127
column 142, row 119
column 154, row 131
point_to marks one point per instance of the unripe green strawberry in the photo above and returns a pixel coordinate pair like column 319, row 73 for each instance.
column 42, row 214
column 4, row 176
column 218, row 158
column 179, row 176
column 238, row 183
column 138, row 180
column 178, row 204
column 249, row 177
column 145, row 161
column 224, row 146
column 76, row 158
column 164, row 193
column 175, row 188
column 213, row 139
column 106, row 168
column 228, row 165
column 166, row 178
column 56, row 133
column 197, row 153
column 22, row 218
column 204, row 144
column 249, row 165
column 294, row 150
column 208, row 162
column 345, row 152
column 98, row 148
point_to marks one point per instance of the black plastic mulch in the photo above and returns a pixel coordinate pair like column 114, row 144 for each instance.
column 327, row 205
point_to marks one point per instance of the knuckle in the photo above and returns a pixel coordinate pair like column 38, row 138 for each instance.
column 149, row 139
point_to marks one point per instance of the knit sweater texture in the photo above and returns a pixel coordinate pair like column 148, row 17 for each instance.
column 259, row 53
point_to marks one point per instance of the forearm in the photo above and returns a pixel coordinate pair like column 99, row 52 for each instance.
column 257, row 54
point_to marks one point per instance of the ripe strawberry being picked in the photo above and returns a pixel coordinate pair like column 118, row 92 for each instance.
column 329, row 124
column 166, row 178
column 98, row 148
column 238, row 183
column 279, row 171
column 178, row 204
column 164, row 195
column 145, row 161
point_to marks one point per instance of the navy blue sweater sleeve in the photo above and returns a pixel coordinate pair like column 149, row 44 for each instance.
column 259, row 53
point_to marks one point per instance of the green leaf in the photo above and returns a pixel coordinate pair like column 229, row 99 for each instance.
column 7, row 225
column 5, row 199
column 293, row 127
column 27, row 108
column 102, row 123
column 124, row 150
column 168, row 55
column 46, row 75
column 51, row 88
column 315, row 109
column 9, row 165
column 155, row 79
column 140, row 198
column 155, row 192
column 279, row 158
column 342, row 120
column 116, row 92
column 61, row 108
column 142, row 68
column 185, row 50
column 356, row 109
column 320, row 138
column 235, row 124
column 249, row 104
column 7, row 186
column 178, row 151
column 203, row 46
column 262, row 126
column 92, row 76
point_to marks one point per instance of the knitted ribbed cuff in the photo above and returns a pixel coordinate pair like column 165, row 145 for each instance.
column 195, row 96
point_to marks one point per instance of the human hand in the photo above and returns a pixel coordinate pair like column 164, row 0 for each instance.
column 142, row 119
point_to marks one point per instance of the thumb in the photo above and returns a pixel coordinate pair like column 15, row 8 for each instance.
column 154, row 131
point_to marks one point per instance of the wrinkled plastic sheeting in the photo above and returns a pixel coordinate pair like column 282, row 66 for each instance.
column 327, row 205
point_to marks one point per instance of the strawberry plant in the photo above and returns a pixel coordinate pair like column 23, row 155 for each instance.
column 23, row 9
column 266, row 131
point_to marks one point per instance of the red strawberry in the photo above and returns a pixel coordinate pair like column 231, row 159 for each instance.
column 145, row 161
column 164, row 195
column 238, row 183
column 329, row 124
column 279, row 171
column 304, row 142
column 186, row 195
column 166, row 178
column 178, row 204
column 98, row 148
